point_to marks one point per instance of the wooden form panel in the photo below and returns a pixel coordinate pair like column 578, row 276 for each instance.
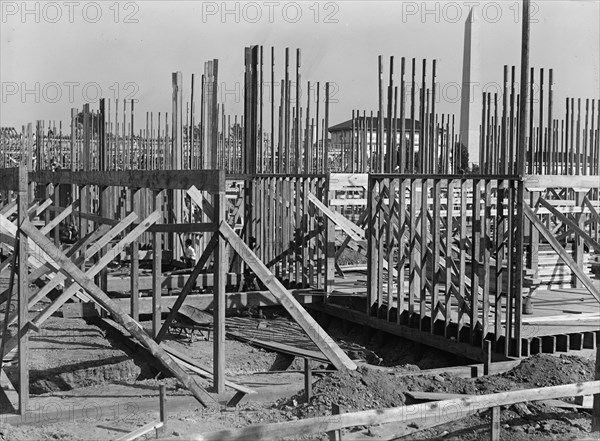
column 449, row 240
column 288, row 232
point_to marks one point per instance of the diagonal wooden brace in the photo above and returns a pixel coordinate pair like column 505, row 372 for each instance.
column 323, row 341
column 100, row 297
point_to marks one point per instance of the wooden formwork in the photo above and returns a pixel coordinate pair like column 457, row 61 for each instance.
column 442, row 256
column 40, row 258
column 284, row 229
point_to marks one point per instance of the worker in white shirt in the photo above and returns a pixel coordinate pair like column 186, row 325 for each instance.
column 190, row 254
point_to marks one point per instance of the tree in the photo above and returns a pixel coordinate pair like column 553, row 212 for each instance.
column 236, row 130
column 464, row 157
column 197, row 132
column 93, row 122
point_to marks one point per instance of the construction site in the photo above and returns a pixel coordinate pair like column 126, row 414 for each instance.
column 276, row 274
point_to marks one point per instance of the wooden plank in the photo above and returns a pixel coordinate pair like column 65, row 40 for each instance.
column 331, row 350
column 205, row 180
column 194, row 366
column 183, row 228
column 448, row 260
column 565, row 220
column 401, row 239
column 453, row 409
column 476, row 230
column 436, row 252
column 542, row 182
column 486, row 257
column 134, row 291
column 22, row 294
column 157, row 243
column 9, row 209
column 433, row 396
column 397, row 430
column 425, row 252
column 413, row 272
column 199, row 199
column 141, row 431
column 280, row 347
column 561, row 252
column 11, row 282
column 88, row 216
column 59, row 217
column 37, row 257
column 169, row 282
column 234, row 300
column 120, row 317
column 345, row 181
column 220, row 262
column 350, row 228
column 40, row 208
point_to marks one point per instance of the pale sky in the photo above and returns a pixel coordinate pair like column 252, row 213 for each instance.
column 58, row 49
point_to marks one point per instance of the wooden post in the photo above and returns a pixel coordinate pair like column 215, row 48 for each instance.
column 219, row 300
column 29, row 143
column 487, row 347
column 411, row 160
column 175, row 212
column 297, row 133
column 307, row 379
column 329, row 239
column 335, row 435
column 380, row 147
column 156, row 270
column 517, row 291
column 102, row 163
column 326, row 132
column 23, row 294
column 389, row 143
column 286, row 113
column 272, row 170
column 163, row 408
column 596, row 408
column 495, row 424
column 56, row 204
column 135, row 263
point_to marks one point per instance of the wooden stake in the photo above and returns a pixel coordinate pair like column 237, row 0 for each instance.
column 307, row 380
column 495, row 424
column 163, row 408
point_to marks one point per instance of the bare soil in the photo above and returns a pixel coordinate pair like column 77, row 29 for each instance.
column 86, row 386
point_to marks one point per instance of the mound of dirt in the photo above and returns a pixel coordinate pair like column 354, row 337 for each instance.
column 546, row 370
column 352, row 390
column 370, row 388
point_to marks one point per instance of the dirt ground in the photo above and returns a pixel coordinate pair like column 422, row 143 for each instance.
column 85, row 386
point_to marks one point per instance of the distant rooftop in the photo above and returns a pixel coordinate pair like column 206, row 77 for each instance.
column 347, row 125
